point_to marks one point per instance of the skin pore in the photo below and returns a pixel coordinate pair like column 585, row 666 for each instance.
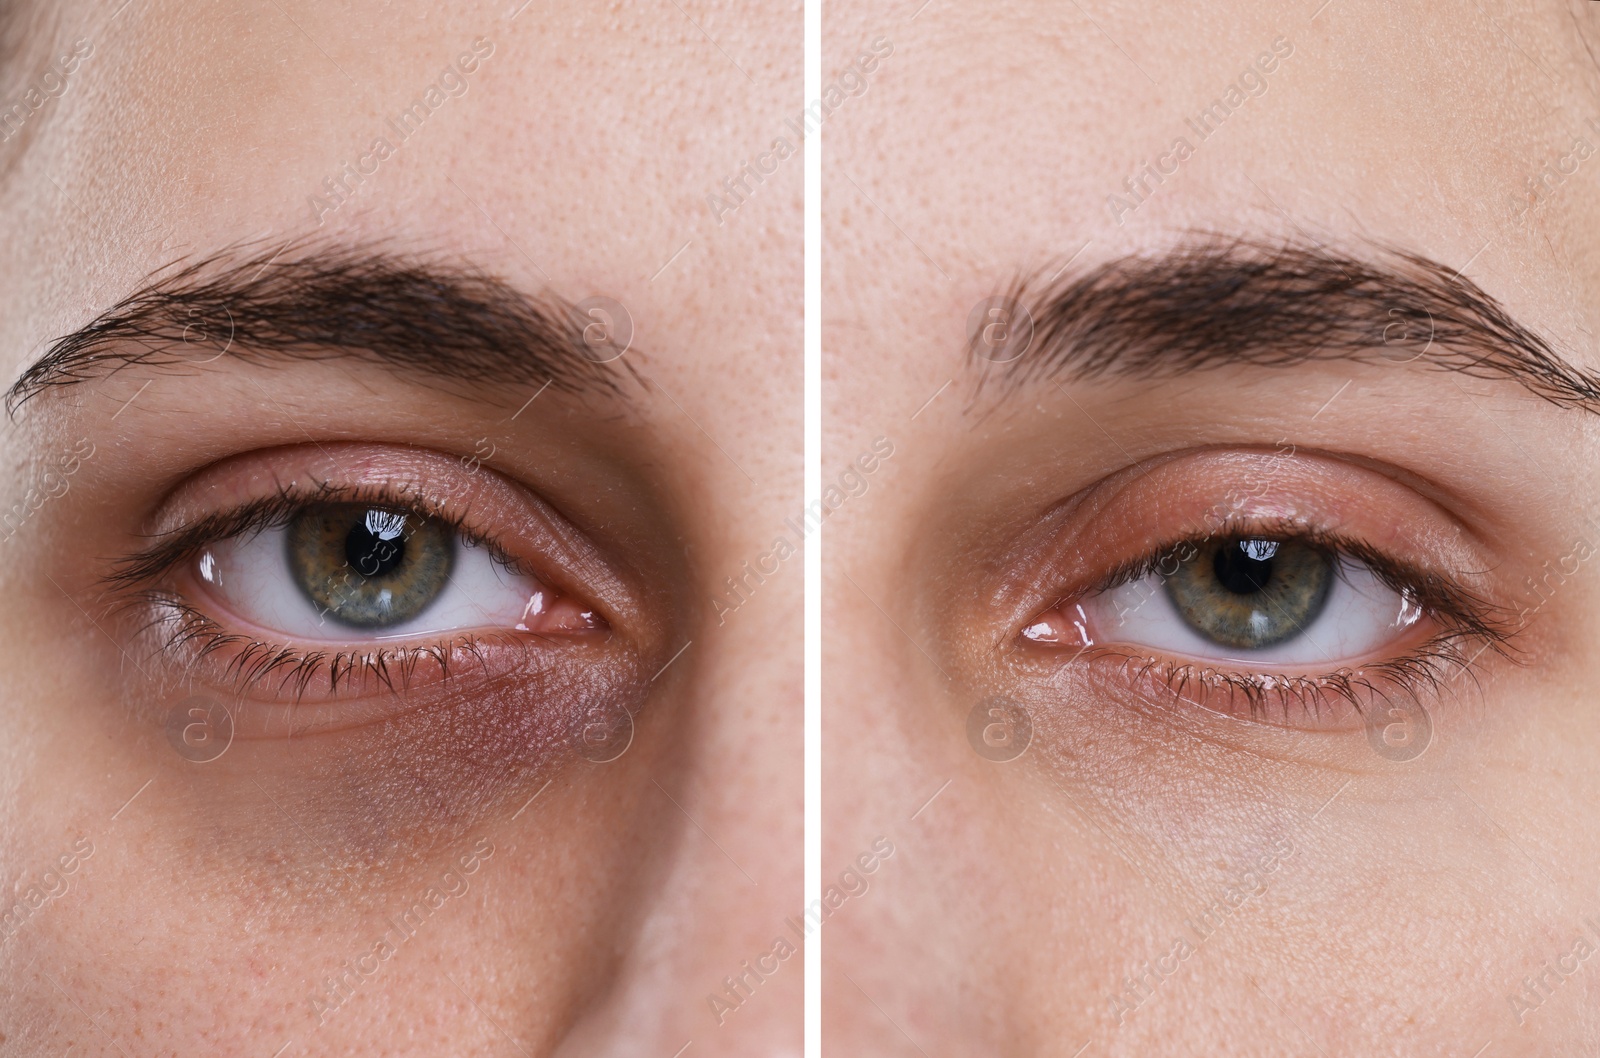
column 1185, row 859
column 401, row 851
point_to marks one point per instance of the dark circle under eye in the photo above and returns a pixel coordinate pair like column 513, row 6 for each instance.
column 1251, row 593
column 369, row 567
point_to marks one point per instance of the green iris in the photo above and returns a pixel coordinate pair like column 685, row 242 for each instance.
column 369, row 567
column 1251, row 593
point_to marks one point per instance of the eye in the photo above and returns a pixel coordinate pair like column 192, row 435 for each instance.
column 336, row 571
column 1287, row 586
column 1255, row 599
column 1273, row 621
column 355, row 582
column 350, row 572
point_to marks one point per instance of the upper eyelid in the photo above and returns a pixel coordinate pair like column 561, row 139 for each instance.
column 1189, row 494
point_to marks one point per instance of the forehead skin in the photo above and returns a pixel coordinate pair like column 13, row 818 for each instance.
column 582, row 151
column 993, row 144
column 987, row 144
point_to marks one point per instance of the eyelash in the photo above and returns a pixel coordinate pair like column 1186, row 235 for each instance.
column 184, row 626
column 1466, row 617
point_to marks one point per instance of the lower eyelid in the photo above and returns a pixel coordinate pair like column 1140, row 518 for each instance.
column 333, row 686
column 1332, row 702
column 520, row 714
column 1431, row 661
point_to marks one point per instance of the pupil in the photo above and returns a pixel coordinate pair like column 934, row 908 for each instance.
column 373, row 554
column 1240, row 571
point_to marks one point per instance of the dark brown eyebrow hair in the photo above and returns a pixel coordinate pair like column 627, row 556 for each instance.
column 438, row 318
column 1215, row 301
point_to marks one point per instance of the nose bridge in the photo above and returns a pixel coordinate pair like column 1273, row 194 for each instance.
column 711, row 960
column 911, row 874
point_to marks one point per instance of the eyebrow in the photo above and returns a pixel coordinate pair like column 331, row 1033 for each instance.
column 1217, row 301
column 441, row 319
